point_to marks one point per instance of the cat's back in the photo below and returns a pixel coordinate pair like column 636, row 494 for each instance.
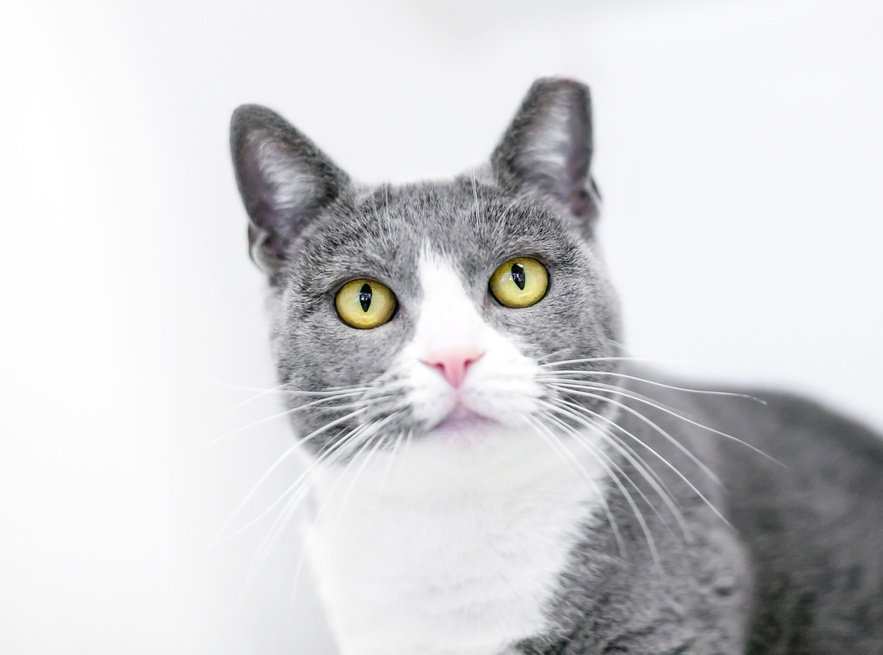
column 809, row 511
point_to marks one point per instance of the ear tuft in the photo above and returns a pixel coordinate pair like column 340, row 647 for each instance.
column 547, row 150
column 284, row 181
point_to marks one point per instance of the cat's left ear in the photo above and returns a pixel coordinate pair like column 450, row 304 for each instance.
column 285, row 182
column 547, row 150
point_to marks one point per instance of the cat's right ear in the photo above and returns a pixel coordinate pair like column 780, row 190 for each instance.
column 285, row 181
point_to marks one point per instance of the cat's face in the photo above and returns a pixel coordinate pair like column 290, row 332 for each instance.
column 386, row 321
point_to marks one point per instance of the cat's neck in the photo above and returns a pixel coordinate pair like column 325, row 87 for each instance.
column 441, row 542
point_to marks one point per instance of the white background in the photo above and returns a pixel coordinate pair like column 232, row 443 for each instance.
column 738, row 150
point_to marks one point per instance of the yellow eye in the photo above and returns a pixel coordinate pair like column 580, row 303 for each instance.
column 520, row 282
column 365, row 304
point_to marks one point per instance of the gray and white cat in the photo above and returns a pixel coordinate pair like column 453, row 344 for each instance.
column 489, row 474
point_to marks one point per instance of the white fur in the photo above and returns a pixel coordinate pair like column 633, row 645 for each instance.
column 500, row 385
column 455, row 546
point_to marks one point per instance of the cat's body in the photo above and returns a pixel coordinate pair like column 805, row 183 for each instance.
column 801, row 569
column 456, row 570
column 490, row 474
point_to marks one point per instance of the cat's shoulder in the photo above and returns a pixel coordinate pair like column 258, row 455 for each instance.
column 816, row 422
column 794, row 431
column 799, row 428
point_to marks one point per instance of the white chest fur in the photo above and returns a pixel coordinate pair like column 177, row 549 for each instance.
column 448, row 550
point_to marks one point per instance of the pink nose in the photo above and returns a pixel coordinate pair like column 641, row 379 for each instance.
column 452, row 364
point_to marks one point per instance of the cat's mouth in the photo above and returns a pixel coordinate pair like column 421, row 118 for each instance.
column 464, row 421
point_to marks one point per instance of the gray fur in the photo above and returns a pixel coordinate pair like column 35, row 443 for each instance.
column 799, row 572
column 797, row 567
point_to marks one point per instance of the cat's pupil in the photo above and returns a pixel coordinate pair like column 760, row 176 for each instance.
column 365, row 296
column 518, row 275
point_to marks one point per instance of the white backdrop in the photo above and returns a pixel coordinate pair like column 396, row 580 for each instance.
column 738, row 149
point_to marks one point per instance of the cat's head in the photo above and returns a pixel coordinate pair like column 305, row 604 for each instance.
column 432, row 310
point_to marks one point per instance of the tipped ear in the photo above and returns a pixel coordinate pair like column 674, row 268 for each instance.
column 284, row 181
column 547, row 150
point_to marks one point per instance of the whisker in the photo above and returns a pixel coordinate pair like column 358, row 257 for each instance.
column 601, row 457
column 282, row 520
column 325, row 456
column 287, row 412
column 707, row 392
column 370, row 430
column 322, row 392
column 662, row 459
column 238, row 387
column 583, row 440
column 376, row 431
column 279, row 388
column 677, row 444
column 593, row 416
column 389, row 466
column 552, row 354
column 598, row 386
column 640, row 398
column 612, row 358
column 637, row 461
column 281, row 459
column 408, row 440
column 252, row 399
column 552, row 441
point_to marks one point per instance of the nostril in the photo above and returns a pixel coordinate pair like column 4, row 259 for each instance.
column 469, row 362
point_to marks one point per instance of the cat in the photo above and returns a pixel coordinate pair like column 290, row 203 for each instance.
column 490, row 473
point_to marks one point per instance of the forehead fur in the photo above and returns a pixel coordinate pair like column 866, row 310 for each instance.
column 379, row 234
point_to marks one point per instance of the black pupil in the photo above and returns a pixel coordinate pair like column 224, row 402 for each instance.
column 518, row 275
column 365, row 296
